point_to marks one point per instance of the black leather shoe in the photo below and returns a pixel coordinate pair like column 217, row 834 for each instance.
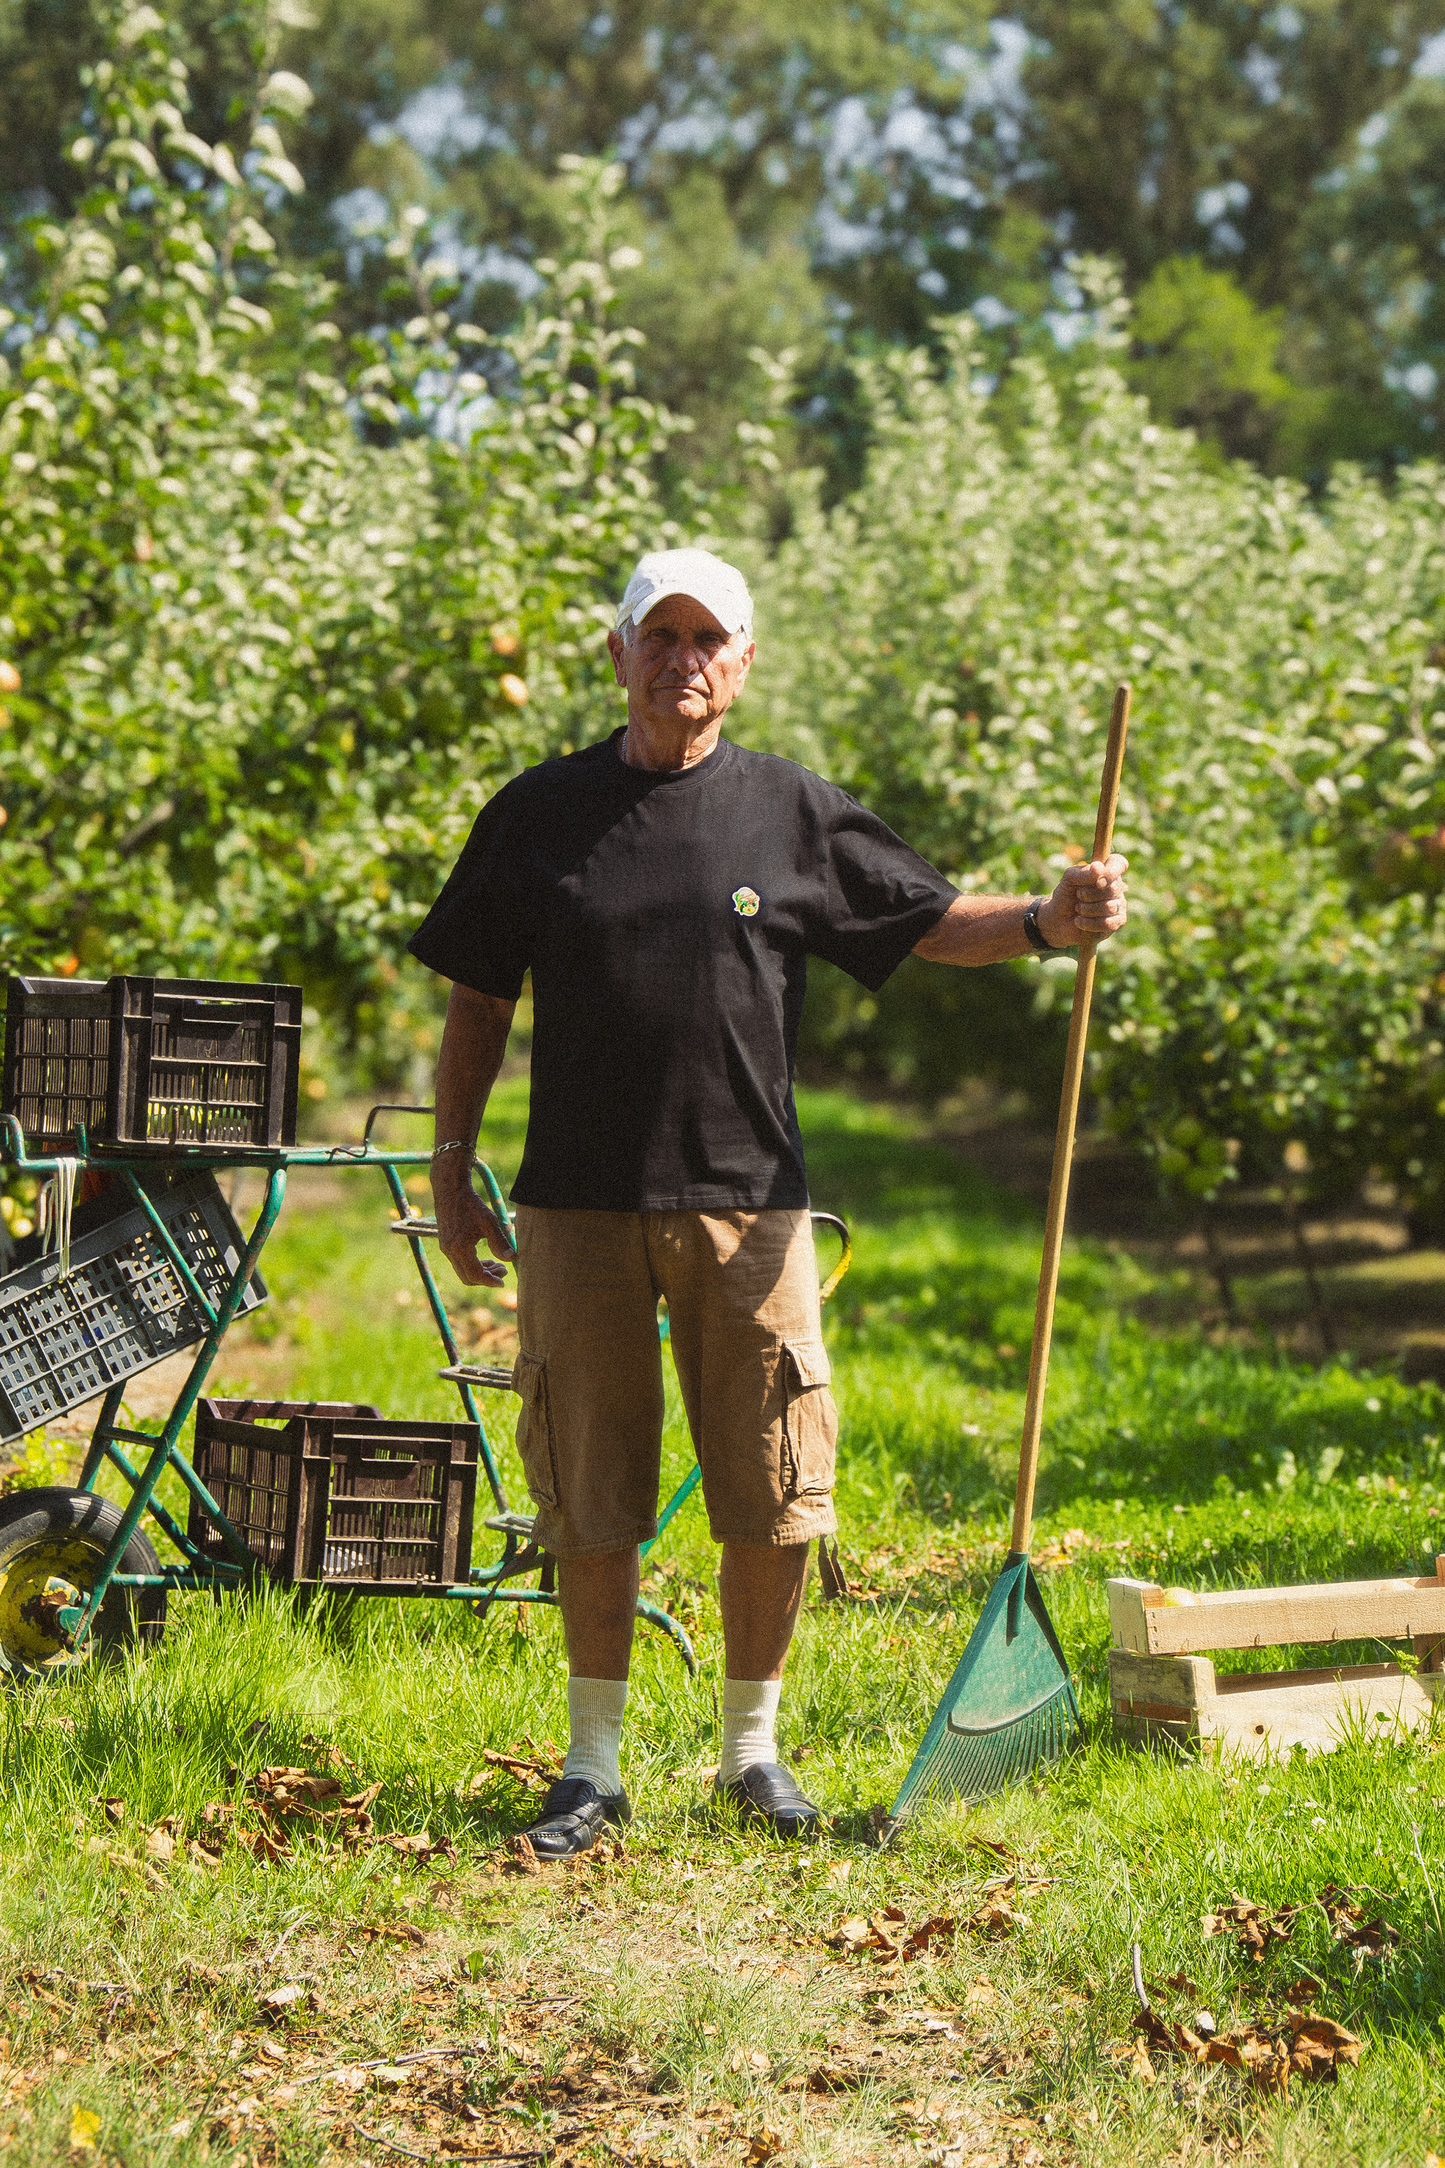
column 574, row 1814
column 766, row 1793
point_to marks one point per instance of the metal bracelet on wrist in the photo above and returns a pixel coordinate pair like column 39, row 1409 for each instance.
column 453, row 1144
column 1034, row 932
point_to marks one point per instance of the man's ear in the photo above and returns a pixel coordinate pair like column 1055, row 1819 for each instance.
column 617, row 649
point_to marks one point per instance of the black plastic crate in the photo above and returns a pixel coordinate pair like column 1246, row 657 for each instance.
column 337, row 1496
column 123, row 1307
column 153, row 1062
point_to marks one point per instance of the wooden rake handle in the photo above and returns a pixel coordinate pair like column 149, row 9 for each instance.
column 1064, row 1145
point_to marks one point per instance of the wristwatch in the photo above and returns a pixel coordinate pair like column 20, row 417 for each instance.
column 1033, row 932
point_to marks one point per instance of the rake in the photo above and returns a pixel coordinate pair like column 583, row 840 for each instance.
column 1010, row 1705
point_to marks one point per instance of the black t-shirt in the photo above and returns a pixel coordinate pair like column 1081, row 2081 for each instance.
column 666, row 919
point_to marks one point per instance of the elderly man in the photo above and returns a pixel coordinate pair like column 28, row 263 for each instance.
column 665, row 888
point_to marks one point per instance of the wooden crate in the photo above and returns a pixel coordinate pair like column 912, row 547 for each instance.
column 1161, row 1685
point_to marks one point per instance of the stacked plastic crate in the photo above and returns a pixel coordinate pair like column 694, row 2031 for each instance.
column 133, row 1069
column 148, row 1083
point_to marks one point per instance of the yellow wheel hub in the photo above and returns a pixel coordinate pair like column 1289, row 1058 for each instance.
column 34, row 1586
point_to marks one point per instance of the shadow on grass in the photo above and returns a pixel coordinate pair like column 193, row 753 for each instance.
column 865, row 1163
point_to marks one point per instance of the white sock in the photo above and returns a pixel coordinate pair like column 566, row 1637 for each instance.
column 594, row 1709
column 750, row 1719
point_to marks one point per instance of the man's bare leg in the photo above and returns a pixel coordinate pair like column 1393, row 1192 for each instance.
column 599, row 1611
column 761, row 1589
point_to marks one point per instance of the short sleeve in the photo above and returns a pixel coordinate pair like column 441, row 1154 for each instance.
column 477, row 931
column 881, row 897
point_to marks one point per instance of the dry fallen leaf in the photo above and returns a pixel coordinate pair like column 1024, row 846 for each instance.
column 329, row 1752
column 765, row 2145
column 997, row 1916
column 1064, row 1549
column 874, row 1935
column 937, row 1929
column 419, row 1846
column 1255, row 1931
column 278, row 2000
column 160, row 1844
column 831, row 2077
column 113, row 1810
column 1320, row 2046
column 264, row 1845
column 1313, row 2047
column 1140, row 2066
column 1000, row 1852
column 850, row 1934
column 1369, row 1938
column 534, row 1769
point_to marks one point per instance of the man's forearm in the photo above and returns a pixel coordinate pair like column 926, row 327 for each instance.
column 1087, row 905
column 474, row 1041
column 977, row 930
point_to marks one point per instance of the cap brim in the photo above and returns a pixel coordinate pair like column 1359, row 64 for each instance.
column 678, row 588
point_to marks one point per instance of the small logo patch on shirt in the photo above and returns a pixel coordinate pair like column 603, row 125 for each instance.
column 746, row 901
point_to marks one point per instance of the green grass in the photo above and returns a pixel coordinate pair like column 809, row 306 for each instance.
column 674, row 2002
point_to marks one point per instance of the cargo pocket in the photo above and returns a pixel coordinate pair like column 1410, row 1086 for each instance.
column 536, row 1441
column 810, row 1420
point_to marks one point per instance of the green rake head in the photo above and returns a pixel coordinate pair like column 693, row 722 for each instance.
column 1008, row 1707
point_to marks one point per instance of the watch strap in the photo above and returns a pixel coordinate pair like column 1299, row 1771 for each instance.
column 1033, row 932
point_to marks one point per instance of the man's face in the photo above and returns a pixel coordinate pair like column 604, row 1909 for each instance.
column 679, row 666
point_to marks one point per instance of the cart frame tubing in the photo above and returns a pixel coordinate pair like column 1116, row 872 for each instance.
column 484, row 1587
column 162, row 1450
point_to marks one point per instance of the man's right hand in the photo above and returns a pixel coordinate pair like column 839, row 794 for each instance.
column 463, row 1224
column 473, row 1043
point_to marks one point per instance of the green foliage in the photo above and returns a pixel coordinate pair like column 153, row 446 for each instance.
column 1205, row 356
column 283, row 606
column 1370, row 249
column 945, row 643
column 862, row 168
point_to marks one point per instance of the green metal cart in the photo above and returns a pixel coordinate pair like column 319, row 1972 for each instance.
column 77, row 1572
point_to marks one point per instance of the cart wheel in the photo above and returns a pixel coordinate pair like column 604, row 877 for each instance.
column 52, row 1542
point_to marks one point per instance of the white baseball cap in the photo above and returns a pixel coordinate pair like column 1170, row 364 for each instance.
column 719, row 587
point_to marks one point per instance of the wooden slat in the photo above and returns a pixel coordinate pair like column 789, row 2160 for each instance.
column 1181, row 1682
column 1128, row 1601
column 1144, row 1619
column 1317, row 1710
column 1262, row 1713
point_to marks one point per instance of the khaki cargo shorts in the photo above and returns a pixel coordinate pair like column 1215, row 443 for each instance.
column 742, row 1295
